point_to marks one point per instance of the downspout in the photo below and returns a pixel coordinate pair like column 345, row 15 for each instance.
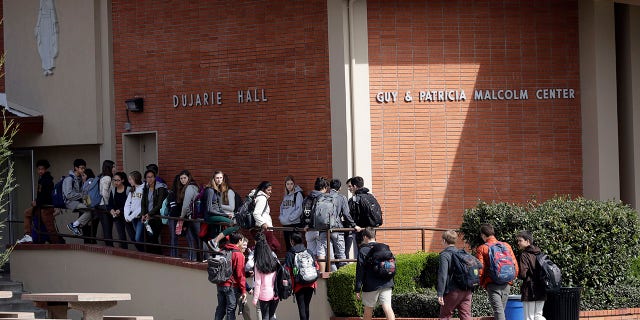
column 352, row 64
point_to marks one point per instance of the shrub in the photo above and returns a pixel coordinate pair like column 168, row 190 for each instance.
column 576, row 233
column 414, row 273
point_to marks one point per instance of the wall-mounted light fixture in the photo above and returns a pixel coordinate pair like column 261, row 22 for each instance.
column 133, row 105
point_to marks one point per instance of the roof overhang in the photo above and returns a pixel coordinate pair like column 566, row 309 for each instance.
column 28, row 121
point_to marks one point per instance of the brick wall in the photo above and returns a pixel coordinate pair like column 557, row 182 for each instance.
column 432, row 160
column 191, row 47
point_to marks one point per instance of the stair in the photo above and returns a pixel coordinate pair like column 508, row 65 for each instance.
column 15, row 303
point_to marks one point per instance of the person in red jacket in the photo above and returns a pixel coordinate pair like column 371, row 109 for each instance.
column 498, row 293
column 303, row 291
column 236, row 285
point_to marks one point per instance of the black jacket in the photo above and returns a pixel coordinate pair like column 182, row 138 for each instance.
column 366, row 279
column 445, row 272
column 159, row 194
column 45, row 188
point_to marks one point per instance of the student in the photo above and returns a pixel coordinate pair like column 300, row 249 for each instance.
column 498, row 293
column 375, row 290
column 450, row 296
column 533, row 289
column 303, row 291
column 187, row 192
column 355, row 185
column 220, row 208
column 72, row 190
column 233, row 290
column 42, row 204
column 317, row 239
column 264, row 290
column 290, row 208
column 175, row 208
column 346, row 219
column 262, row 213
column 105, row 219
column 153, row 194
column 91, row 227
column 132, row 209
column 115, row 207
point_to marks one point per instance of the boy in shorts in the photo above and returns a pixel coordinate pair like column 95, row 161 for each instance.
column 375, row 290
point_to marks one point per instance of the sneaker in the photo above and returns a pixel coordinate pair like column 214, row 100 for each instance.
column 75, row 230
column 213, row 245
column 26, row 239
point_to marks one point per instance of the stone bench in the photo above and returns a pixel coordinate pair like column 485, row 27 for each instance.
column 16, row 315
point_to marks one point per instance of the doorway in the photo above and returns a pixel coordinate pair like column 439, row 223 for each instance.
column 138, row 150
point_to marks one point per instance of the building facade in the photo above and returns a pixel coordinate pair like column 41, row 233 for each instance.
column 437, row 104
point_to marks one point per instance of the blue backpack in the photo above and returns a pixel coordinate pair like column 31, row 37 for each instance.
column 91, row 188
column 57, row 195
column 502, row 268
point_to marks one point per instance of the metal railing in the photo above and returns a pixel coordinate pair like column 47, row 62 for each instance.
column 328, row 259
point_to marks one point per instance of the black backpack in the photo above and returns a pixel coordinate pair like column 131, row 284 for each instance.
column 283, row 283
column 465, row 270
column 369, row 211
column 381, row 260
column 244, row 216
column 57, row 196
column 550, row 273
column 219, row 266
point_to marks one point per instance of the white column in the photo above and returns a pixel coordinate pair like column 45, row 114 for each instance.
column 599, row 100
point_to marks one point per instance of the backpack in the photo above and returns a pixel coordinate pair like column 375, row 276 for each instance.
column 466, row 269
column 381, row 261
column 244, row 216
column 304, row 268
column 219, row 267
column 324, row 211
column 237, row 201
column 57, row 196
column 91, row 188
column 550, row 274
column 199, row 205
column 502, row 268
column 369, row 210
column 164, row 209
column 284, row 287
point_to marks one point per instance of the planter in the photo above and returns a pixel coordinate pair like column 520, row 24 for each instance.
column 617, row 314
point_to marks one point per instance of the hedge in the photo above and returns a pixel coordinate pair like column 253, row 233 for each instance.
column 414, row 273
column 594, row 242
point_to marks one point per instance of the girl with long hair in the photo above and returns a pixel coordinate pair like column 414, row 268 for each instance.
column 132, row 209
column 153, row 195
column 264, row 290
column 291, row 208
column 187, row 192
column 221, row 206
column 115, row 207
column 262, row 213
column 175, row 209
column 106, row 220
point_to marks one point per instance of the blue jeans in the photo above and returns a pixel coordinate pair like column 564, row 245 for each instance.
column 193, row 228
column 226, row 303
column 135, row 229
column 173, row 238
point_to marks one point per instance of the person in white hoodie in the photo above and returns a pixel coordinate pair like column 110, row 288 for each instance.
column 133, row 208
column 291, row 208
column 262, row 213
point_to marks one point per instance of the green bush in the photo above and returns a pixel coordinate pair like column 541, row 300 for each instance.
column 414, row 273
column 584, row 237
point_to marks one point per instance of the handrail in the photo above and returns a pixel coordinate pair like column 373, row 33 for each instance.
column 327, row 259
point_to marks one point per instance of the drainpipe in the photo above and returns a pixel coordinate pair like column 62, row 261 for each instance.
column 351, row 131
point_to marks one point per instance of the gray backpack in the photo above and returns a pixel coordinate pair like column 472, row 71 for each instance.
column 324, row 212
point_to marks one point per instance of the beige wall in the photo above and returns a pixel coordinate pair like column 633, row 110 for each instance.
column 74, row 99
column 164, row 291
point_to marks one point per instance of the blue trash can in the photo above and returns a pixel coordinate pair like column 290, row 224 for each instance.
column 514, row 309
